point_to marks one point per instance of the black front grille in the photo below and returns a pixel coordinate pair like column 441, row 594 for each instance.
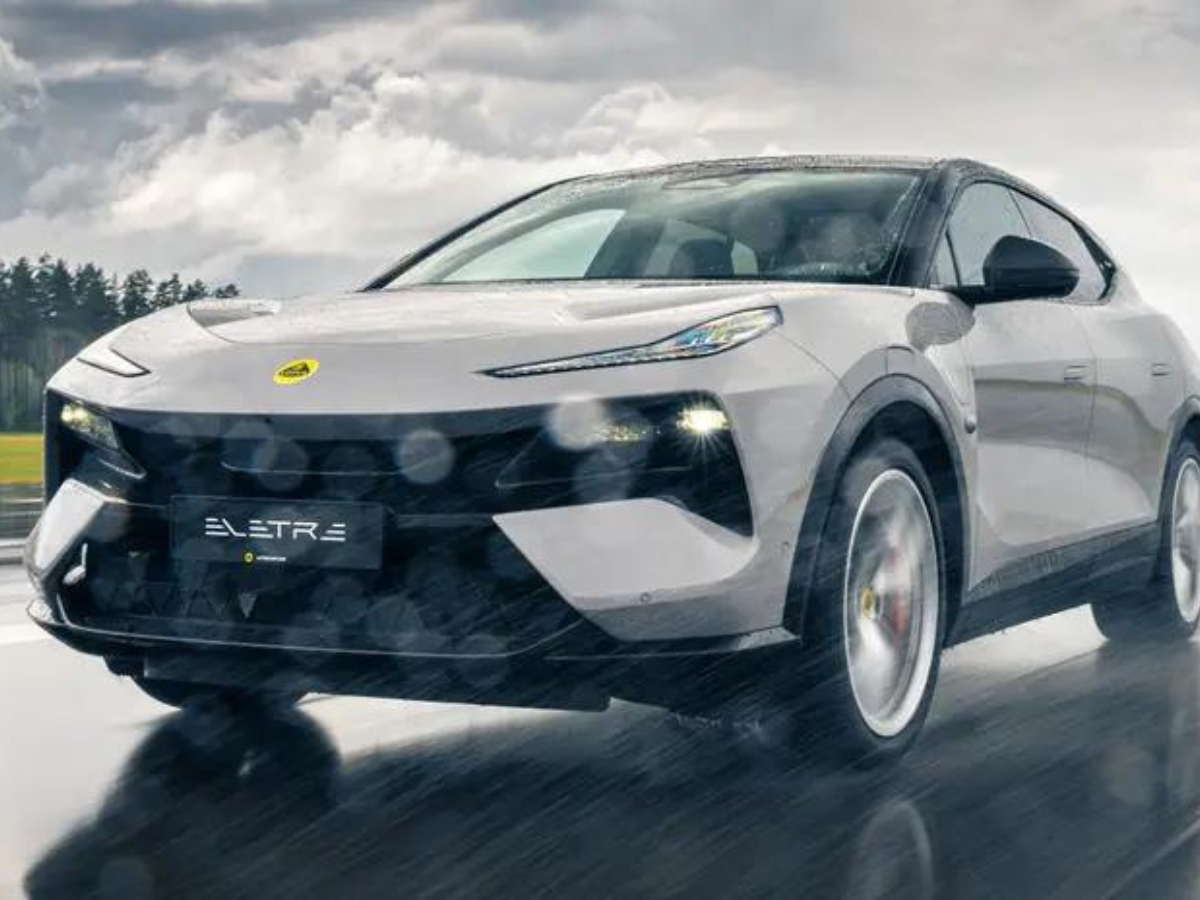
column 478, row 464
column 407, row 473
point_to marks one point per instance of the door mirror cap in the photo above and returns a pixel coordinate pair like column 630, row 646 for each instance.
column 1018, row 268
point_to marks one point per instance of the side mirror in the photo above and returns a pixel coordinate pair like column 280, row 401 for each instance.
column 1021, row 269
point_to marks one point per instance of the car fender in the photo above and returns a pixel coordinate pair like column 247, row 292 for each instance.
column 937, row 401
column 1187, row 414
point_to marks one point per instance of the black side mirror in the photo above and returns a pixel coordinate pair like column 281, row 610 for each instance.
column 1021, row 269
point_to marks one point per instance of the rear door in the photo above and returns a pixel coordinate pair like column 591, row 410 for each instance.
column 1033, row 374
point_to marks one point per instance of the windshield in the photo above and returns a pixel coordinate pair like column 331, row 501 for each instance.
column 808, row 225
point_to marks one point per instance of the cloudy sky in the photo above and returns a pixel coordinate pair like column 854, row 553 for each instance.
column 297, row 145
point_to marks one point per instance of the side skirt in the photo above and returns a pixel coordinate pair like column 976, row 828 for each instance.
column 1058, row 580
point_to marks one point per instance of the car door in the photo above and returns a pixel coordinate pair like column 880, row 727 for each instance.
column 1139, row 384
column 1033, row 376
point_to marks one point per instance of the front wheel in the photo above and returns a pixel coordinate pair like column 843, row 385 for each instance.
column 877, row 613
column 1168, row 608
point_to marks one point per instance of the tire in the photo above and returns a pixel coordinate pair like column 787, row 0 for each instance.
column 875, row 600
column 1166, row 610
column 188, row 695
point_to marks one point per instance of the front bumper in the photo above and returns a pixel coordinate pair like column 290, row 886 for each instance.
column 576, row 665
column 520, row 540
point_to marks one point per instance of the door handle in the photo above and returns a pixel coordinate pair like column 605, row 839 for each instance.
column 1075, row 373
column 1160, row 370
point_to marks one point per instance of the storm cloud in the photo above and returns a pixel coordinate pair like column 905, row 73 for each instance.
column 299, row 145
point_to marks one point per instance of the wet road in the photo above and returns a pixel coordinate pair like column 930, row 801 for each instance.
column 1051, row 767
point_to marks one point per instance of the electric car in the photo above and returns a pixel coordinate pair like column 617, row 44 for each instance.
column 739, row 438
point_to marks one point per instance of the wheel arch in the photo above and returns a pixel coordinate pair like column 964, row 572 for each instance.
column 898, row 406
column 1187, row 424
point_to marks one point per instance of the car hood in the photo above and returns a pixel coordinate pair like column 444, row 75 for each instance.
column 456, row 313
column 427, row 349
column 421, row 333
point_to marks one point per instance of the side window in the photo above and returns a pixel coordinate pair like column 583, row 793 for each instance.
column 985, row 214
column 1061, row 234
column 943, row 273
column 560, row 249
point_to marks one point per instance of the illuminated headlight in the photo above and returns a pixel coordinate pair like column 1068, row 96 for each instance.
column 98, row 431
column 91, row 426
column 706, row 339
column 101, row 355
column 702, row 421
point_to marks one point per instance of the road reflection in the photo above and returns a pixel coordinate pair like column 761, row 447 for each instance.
column 1066, row 784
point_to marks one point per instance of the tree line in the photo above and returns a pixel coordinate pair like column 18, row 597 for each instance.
column 84, row 299
column 50, row 310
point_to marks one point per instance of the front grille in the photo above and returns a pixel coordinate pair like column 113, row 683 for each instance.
column 416, row 474
column 458, row 590
column 465, row 464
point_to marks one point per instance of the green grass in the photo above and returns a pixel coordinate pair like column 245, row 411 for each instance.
column 20, row 458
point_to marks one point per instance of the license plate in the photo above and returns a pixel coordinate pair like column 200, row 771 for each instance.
column 276, row 532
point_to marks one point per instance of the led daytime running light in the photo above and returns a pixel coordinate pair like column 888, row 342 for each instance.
column 706, row 339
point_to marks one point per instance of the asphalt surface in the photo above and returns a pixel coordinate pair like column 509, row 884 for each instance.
column 1052, row 767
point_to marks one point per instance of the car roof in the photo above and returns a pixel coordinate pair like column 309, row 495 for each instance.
column 781, row 163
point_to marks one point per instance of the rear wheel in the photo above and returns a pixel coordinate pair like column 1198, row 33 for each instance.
column 1167, row 609
column 877, row 613
column 186, row 694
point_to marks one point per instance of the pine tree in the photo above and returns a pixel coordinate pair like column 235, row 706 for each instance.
column 22, row 298
column 114, row 297
column 168, row 292
column 136, row 295
column 97, row 303
column 227, row 292
column 197, row 290
column 55, row 292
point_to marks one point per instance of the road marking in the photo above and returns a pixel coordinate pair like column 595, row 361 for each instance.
column 21, row 634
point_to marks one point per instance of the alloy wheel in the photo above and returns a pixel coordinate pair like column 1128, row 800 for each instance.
column 1185, row 540
column 891, row 602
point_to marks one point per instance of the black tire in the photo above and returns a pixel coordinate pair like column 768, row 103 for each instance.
column 829, row 725
column 189, row 695
column 1152, row 615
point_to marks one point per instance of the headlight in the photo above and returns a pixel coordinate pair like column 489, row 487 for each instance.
column 101, row 355
column 97, row 431
column 90, row 425
column 706, row 339
column 702, row 421
column 678, row 448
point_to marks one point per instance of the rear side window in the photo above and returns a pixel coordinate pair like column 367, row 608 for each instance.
column 985, row 213
column 1060, row 233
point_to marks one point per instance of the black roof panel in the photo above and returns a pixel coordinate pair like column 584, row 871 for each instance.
column 782, row 163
